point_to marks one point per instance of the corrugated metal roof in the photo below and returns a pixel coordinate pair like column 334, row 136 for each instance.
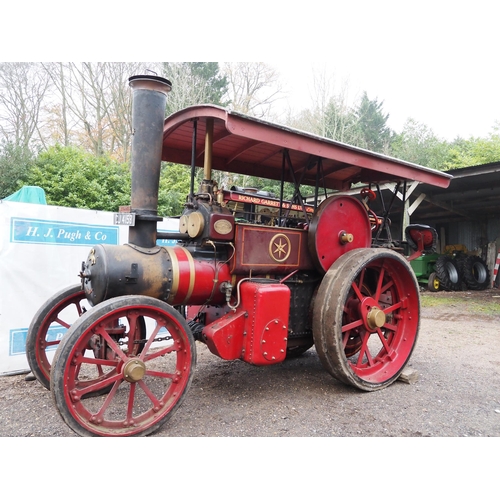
column 474, row 194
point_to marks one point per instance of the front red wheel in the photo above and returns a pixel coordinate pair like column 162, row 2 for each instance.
column 144, row 385
column 366, row 318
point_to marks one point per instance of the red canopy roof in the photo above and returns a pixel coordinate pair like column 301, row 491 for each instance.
column 249, row 146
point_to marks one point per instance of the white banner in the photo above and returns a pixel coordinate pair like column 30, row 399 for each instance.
column 42, row 248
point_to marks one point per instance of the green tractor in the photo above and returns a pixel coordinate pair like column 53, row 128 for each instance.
column 454, row 270
column 424, row 269
column 422, row 243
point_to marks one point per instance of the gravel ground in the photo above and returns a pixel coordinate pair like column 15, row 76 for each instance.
column 457, row 360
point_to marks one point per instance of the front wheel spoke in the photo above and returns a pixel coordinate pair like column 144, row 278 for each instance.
column 158, row 353
column 391, row 327
column 107, row 401
column 99, row 362
column 130, row 406
column 133, row 332
column 153, row 373
column 100, row 384
column 151, row 339
column 112, row 344
column 149, row 394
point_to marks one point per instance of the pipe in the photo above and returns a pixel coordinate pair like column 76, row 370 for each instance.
column 209, row 137
column 148, row 115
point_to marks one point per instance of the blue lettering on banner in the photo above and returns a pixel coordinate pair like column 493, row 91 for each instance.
column 166, row 243
column 18, row 337
column 44, row 232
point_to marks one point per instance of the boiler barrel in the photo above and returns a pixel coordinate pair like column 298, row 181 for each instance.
column 171, row 274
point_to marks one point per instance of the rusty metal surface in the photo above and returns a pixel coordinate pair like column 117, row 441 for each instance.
column 249, row 146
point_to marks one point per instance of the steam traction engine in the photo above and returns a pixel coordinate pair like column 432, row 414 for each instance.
column 253, row 277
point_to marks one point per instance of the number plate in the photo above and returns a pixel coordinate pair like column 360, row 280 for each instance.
column 124, row 219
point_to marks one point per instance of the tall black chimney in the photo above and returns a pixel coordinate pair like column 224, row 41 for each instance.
column 148, row 114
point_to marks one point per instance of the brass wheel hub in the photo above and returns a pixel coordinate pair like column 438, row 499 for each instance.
column 134, row 370
column 375, row 318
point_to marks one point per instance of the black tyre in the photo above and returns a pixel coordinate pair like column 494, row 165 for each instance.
column 476, row 274
column 448, row 273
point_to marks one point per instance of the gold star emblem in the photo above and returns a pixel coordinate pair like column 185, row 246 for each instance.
column 279, row 247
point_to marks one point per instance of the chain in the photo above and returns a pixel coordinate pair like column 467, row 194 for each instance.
column 144, row 341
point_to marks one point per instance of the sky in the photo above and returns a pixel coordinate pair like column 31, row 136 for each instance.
column 434, row 61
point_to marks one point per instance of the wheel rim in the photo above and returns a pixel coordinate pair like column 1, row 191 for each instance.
column 144, row 385
column 366, row 330
column 479, row 272
column 435, row 284
column 49, row 325
column 452, row 272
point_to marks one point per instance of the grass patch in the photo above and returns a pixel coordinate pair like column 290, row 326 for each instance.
column 469, row 303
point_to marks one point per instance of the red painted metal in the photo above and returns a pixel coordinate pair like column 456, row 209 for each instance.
column 269, row 250
column 257, row 330
column 224, row 337
column 338, row 219
column 196, row 281
column 268, row 307
column 221, row 227
column 246, row 145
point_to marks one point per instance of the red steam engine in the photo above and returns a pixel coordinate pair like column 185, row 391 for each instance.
column 252, row 276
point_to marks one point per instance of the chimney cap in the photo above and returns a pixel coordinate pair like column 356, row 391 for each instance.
column 150, row 82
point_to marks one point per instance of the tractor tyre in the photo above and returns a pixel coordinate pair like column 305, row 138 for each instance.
column 448, row 273
column 433, row 284
column 476, row 274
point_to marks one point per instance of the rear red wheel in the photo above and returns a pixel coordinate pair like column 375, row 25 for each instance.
column 49, row 325
column 366, row 318
column 145, row 385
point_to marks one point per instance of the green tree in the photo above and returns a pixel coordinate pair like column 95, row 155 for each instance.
column 474, row 151
column 175, row 181
column 375, row 135
column 74, row 178
column 15, row 162
column 418, row 144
